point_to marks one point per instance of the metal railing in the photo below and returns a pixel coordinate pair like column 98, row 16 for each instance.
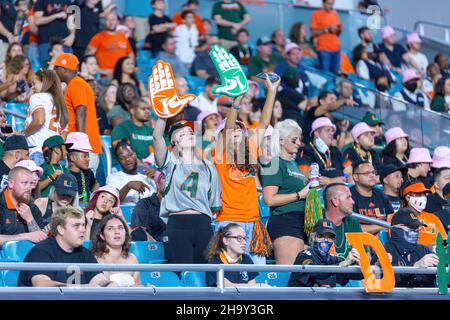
column 420, row 25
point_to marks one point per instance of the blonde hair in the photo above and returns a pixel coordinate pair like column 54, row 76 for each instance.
column 61, row 215
column 281, row 131
column 52, row 195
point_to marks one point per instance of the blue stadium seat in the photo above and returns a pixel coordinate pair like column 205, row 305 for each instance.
column 127, row 210
column 194, row 279
column 161, row 279
column 87, row 244
column 245, row 69
column 195, row 82
column 16, row 250
column 148, row 252
column 383, row 237
column 275, row 279
column 10, row 278
column 264, row 210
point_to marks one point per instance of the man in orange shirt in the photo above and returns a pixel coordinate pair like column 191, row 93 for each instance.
column 80, row 102
column 109, row 46
column 326, row 26
column 191, row 5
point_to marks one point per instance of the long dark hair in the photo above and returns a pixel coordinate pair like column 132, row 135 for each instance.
column 246, row 163
column 294, row 34
column 118, row 71
column 121, row 97
column 216, row 244
column 440, row 86
column 99, row 247
column 391, row 149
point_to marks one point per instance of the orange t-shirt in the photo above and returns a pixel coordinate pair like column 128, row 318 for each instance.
column 79, row 93
column 346, row 66
column 239, row 195
column 110, row 48
column 322, row 19
column 198, row 22
column 34, row 38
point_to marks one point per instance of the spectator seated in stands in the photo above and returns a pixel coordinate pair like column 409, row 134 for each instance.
column 146, row 214
column 126, row 93
column 366, row 37
column 19, row 79
column 227, row 246
column 208, row 122
column 299, row 36
column 242, row 51
column 104, row 201
column 160, row 26
column 107, row 98
column 109, row 46
column 366, row 68
column 191, row 5
column 20, row 219
column 133, row 186
column 203, row 66
column 339, row 207
column 413, row 44
column 124, row 72
column 442, row 61
column 78, row 158
column 207, row 100
column 321, row 151
column 264, row 60
column 36, row 173
column 419, row 166
column 397, row 147
column 405, row 251
column 441, row 100
column 441, row 173
column 411, row 93
column 431, row 79
column 293, row 56
column 14, row 49
column 55, row 48
column 66, row 246
column 361, row 150
column 190, row 113
column 414, row 196
column 375, row 123
column 369, row 201
column 89, row 68
column 15, row 149
column 186, row 37
column 391, row 176
column 111, row 244
column 136, row 130
column 168, row 55
column 291, row 95
column 344, row 90
column 278, row 42
column 382, row 98
column 64, row 192
column 444, row 213
column 321, row 239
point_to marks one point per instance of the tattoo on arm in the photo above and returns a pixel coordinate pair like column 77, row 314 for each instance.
column 33, row 226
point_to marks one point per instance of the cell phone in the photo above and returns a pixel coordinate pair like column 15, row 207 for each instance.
column 6, row 129
column 273, row 77
column 21, row 86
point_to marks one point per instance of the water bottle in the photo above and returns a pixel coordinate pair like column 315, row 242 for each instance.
column 314, row 175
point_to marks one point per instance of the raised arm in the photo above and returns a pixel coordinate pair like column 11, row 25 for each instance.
column 159, row 143
column 266, row 114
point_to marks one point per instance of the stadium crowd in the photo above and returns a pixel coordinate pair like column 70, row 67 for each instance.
column 197, row 181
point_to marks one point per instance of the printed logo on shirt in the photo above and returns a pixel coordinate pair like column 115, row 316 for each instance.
column 294, row 174
column 244, row 275
column 230, row 6
column 237, row 175
column 374, row 213
column 141, row 137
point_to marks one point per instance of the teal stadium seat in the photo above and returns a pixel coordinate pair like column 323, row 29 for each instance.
column 194, row 279
column 10, row 278
column 264, row 210
column 161, row 279
column 274, row 279
column 148, row 252
column 16, row 250
column 383, row 237
column 87, row 244
column 127, row 210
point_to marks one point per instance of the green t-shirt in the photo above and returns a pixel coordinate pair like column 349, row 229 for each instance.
column 438, row 103
column 349, row 224
column 288, row 178
column 233, row 12
column 141, row 138
column 118, row 111
column 257, row 65
column 48, row 170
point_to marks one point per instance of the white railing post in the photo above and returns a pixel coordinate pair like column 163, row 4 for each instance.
column 220, row 280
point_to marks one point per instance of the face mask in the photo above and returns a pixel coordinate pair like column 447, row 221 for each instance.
column 382, row 87
column 418, row 203
column 411, row 86
column 410, row 236
column 321, row 145
column 322, row 247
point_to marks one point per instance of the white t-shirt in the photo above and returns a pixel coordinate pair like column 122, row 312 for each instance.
column 120, row 179
column 204, row 104
column 421, row 60
column 50, row 128
column 187, row 41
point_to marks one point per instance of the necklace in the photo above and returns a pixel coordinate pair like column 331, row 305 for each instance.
column 326, row 163
column 363, row 154
column 60, row 166
column 84, row 196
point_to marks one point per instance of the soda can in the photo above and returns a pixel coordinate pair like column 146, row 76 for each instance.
column 314, row 175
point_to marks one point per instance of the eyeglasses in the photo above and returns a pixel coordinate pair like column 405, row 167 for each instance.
column 374, row 172
column 238, row 238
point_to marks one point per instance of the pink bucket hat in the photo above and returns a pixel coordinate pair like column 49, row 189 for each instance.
column 111, row 190
column 291, row 46
column 80, row 142
column 441, row 157
column 394, row 133
column 387, row 32
column 359, row 129
column 413, row 38
column 409, row 75
column 320, row 123
column 419, row 155
column 221, row 126
column 203, row 115
column 30, row 165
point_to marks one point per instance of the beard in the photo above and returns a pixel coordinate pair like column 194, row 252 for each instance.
column 24, row 197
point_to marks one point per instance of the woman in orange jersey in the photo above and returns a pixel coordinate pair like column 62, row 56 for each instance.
column 236, row 164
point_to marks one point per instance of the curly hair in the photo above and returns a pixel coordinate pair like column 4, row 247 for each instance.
column 216, row 244
column 99, row 246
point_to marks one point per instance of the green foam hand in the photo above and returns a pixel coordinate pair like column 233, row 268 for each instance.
column 232, row 77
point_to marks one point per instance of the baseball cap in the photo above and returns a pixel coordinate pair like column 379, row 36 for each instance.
column 225, row 101
column 390, row 168
column 324, row 226
column 66, row 185
column 16, row 142
column 55, row 141
column 67, row 61
column 406, row 217
column 30, row 165
column 372, row 119
column 263, row 41
column 414, row 187
column 179, row 125
column 111, row 190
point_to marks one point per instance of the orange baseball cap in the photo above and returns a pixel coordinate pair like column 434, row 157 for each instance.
column 415, row 187
column 67, row 61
